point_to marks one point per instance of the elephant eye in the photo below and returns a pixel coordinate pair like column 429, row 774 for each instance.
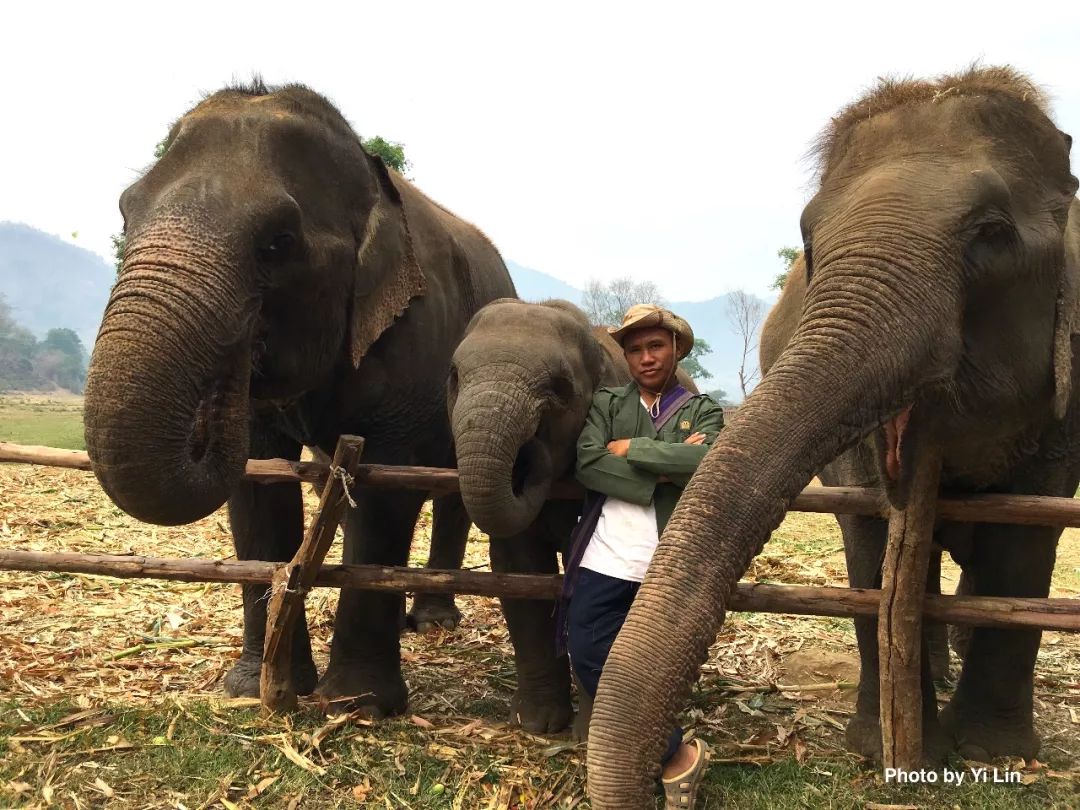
column 280, row 247
column 991, row 239
column 808, row 260
column 562, row 390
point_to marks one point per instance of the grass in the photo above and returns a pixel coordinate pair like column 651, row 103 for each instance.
column 200, row 754
column 197, row 754
column 26, row 419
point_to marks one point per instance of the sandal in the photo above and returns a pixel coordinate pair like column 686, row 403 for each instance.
column 680, row 791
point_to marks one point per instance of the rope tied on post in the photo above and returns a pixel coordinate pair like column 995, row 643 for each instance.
column 347, row 482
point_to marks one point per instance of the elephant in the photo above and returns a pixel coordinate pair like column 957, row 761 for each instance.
column 521, row 383
column 935, row 309
column 281, row 287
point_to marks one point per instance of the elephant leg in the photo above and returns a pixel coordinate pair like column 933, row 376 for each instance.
column 449, row 534
column 864, row 545
column 267, row 523
column 580, row 730
column 937, row 634
column 960, row 635
column 990, row 714
column 365, row 656
column 541, row 703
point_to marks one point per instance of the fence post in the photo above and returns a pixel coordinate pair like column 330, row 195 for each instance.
column 903, row 590
column 292, row 582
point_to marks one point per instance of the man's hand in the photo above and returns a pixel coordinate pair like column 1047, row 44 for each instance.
column 694, row 438
column 619, row 447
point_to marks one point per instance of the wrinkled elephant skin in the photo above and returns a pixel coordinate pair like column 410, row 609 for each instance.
column 281, row 287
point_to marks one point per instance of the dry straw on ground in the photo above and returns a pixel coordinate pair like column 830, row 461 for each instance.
column 774, row 688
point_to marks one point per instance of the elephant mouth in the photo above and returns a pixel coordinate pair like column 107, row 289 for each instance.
column 532, row 468
column 220, row 399
column 897, row 443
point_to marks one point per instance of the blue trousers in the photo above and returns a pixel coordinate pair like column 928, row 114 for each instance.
column 597, row 610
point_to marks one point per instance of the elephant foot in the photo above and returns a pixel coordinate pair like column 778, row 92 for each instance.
column 863, row 737
column 982, row 737
column 541, row 714
column 243, row 679
column 375, row 695
column 433, row 611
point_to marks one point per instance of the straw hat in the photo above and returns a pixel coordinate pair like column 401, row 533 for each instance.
column 646, row 316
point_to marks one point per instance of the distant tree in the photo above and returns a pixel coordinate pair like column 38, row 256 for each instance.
column 61, row 359
column 119, row 244
column 788, row 255
column 391, row 152
column 719, row 396
column 17, row 345
column 745, row 313
column 691, row 364
column 27, row 365
column 605, row 304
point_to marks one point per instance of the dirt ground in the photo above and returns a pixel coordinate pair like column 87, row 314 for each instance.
column 775, row 687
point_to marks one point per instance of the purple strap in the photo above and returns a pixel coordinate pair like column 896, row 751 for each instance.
column 675, row 399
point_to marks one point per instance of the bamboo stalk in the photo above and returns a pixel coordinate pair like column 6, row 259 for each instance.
column 1031, row 510
column 899, row 632
column 805, row 600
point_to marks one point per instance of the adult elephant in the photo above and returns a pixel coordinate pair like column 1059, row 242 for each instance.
column 280, row 287
column 936, row 306
column 521, row 383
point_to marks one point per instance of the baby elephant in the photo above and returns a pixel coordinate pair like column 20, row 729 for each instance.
column 520, row 386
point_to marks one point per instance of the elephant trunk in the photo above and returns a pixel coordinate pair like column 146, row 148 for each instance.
column 845, row 371
column 167, row 409
column 505, row 470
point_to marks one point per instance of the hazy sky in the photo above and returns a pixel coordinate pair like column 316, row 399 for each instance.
column 587, row 139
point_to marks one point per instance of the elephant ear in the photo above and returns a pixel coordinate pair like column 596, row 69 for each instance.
column 1065, row 321
column 388, row 275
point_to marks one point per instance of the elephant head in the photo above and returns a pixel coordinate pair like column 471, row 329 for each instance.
column 938, row 307
column 263, row 210
column 520, row 386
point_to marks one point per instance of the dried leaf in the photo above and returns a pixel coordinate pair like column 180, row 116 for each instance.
column 417, row 720
column 360, row 792
column 800, row 750
column 296, row 758
column 101, row 785
column 260, row 787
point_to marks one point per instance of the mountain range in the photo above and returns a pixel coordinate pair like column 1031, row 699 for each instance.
column 49, row 283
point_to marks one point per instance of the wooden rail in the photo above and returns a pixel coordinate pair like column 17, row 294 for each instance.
column 804, row 600
column 1032, row 510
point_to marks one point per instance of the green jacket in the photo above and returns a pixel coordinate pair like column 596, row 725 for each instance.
column 617, row 413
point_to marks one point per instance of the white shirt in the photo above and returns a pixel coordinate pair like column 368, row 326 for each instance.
column 624, row 540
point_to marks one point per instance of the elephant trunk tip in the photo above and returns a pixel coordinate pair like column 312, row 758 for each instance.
column 509, row 505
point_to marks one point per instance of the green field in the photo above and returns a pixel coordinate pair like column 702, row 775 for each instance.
column 30, row 419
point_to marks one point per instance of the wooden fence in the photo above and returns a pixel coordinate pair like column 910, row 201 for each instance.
column 896, row 604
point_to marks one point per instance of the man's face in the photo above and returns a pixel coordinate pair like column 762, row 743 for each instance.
column 650, row 354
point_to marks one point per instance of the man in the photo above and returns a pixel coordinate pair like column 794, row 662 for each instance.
column 640, row 445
